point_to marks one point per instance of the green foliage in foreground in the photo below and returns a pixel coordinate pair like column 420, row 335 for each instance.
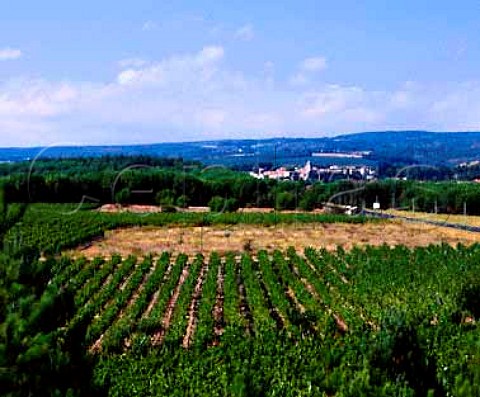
column 412, row 316
column 421, row 345
column 269, row 366
column 35, row 357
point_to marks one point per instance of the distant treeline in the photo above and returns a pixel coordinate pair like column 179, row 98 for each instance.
column 177, row 183
column 74, row 167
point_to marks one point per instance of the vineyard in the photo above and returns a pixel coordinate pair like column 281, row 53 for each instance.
column 186, row 313
column 367, row 321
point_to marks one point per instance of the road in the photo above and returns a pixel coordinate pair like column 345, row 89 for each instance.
column 458, row 226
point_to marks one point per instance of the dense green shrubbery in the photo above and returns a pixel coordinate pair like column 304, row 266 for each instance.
column 145, row 180
column 35, row 358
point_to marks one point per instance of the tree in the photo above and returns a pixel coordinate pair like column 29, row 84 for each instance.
column 123, row 196
column 217, row 204
column 285, row 201
column 165, row 197
column 34, row 358
column 231, row 205
column 183, row 201
column 220, row 204
column 308, row 201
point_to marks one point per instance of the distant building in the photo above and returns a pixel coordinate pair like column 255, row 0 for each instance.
column 312, row 173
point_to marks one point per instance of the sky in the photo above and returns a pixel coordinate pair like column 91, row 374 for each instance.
column 144, row 71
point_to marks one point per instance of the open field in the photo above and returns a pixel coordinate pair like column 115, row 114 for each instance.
column 53, row 228
column 469, row 220
column 240, row 238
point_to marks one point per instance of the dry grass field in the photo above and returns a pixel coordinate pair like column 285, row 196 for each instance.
column 239, row 238
column 447, row 218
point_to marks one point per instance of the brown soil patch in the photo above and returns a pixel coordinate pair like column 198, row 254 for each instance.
column 138, row 209
column 293, row 297
column 155, row 296
column 240, row 238
column 219, row 300
column 96, row 347
column 167, row 318
column 193, row 310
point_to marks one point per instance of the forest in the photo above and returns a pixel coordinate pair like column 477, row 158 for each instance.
column 179, row 183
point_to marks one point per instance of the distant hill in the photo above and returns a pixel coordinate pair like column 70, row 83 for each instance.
column 416, row 147
column 420, row 146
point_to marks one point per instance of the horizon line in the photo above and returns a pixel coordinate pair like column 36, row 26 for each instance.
column 120, row 145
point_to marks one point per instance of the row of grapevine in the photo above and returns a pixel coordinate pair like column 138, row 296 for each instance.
column 113, row 296
column 310, row 315
column 263, row 322
column 179, row 319
column 275, row 291
column 97, row 281
column 205, row 315
column 234, row 321
column 87, row 274
column 354, row 314
column 96, row 303
column 112, row 301
column 319, row 289
column 65, row 269
column 153, row 324
column 115, row 338
column 325, row 265
column 117, row 303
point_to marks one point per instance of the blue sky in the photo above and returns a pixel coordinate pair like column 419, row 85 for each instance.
column 151, row 71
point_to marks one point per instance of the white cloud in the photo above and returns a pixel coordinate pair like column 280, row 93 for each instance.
column 210, row 54
column 350, row 106
column 314, row 64
column 7, row 54
column 245, row 33
column 196, row 96
column 127, row 76
column 210, row 118
column 334, row 99
column 182, row 70
column 447, row 107
column 149, row 25
column 36, row 99
column 307, row 70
